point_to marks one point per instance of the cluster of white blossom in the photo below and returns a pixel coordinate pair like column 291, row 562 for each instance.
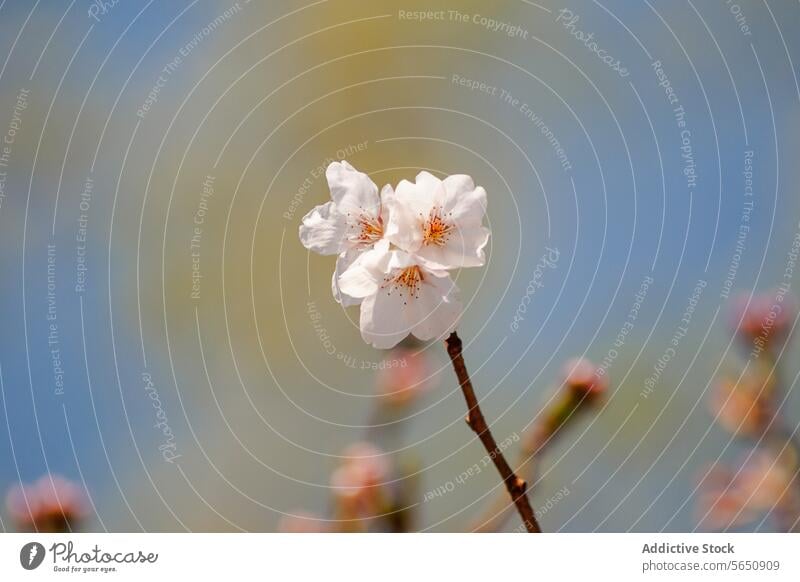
column 395, row 249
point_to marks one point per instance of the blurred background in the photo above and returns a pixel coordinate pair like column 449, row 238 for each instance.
column 169, row 346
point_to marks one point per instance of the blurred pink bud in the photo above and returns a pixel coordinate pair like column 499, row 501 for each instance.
column 405, row 379
column 763, row 318
column 764, row 479
column 369, row 462
column 741, row 408
column 52, row 504
column 350, row 484
column 763, row 484
column 358, row 482
column 584, row 379
column 302, row 522
column 721, row 504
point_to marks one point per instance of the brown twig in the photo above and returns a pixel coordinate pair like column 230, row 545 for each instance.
column 534, row 441
column 516, row 487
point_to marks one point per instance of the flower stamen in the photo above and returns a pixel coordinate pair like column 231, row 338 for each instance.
column 366, row 229
column 409, row 280
column 435, row 230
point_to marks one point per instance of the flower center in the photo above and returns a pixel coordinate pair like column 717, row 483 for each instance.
column 435, row 231
column 409, row 281
column 366, row 229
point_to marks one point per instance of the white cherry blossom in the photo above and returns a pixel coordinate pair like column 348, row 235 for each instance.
column 440, row 221
column 352, row 222
column 401, row 294
column 395, row 249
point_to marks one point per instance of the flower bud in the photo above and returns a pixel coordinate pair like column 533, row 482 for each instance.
column 741, row 408
column 584, row 379
column 765, row 478
column 763, row 320
column 358, row 483
column 369, row 461
column 52, row 504
column 405, row 380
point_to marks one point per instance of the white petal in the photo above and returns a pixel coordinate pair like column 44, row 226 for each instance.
column 352, row 191
column 463, row 202
column 383, row 322
column 392, row 313
column 422, row 195
column 387, row 198
column 405, row 188
column 409, row 208
column 343, row 262
column 365, row 275
column 458, row 184
column 436, row 311
column 464, row 248
column 400, row 260
column 427, row 182
column 322, row 230
column 404, row 229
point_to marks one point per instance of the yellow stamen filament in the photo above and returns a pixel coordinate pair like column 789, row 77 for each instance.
column 435, row 231
column 408, row 281
column 366, row 229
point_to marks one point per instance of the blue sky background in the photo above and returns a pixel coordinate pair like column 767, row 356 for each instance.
column 338, row 73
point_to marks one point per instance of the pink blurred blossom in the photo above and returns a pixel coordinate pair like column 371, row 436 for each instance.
column 52, row 504
column 721, row 504
column 358, row 482
column 763, row 319
column 584, row 379
column 401, row 384
column 765, row 478
column 741, row 408
column 762, row 484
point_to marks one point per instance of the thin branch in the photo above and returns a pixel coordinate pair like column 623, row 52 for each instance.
column 535, row 441
column 516, row 487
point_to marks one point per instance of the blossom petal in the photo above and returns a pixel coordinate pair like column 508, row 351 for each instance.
column 365, row 275
column 322, row 230
column 427, row 182
column 463, row 202
column 409, row 208
column 464, row 248
column 387, row 199
column 392, row 312
column 352, row 191
column 343, row 262
column 383, row 323
column 436, row 311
